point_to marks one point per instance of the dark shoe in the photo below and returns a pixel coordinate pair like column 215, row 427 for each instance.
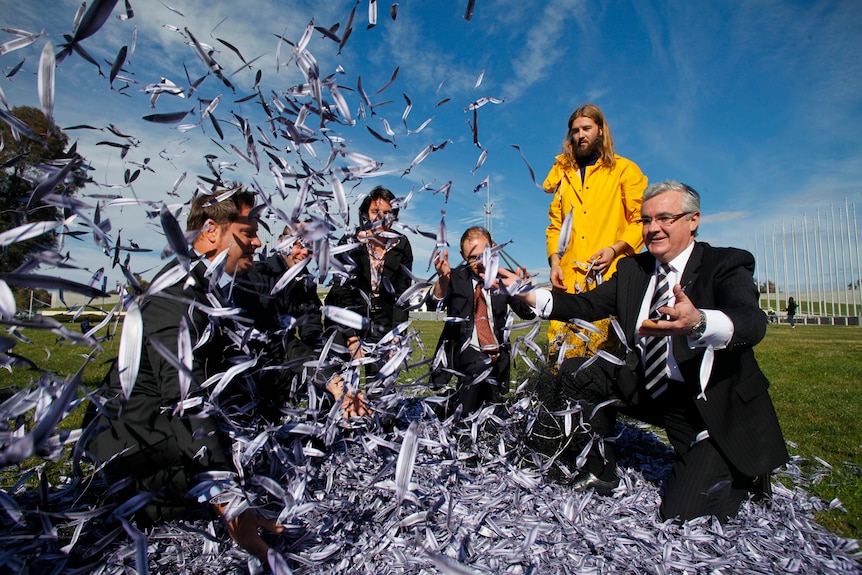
column 761, row 489
column 586, row 480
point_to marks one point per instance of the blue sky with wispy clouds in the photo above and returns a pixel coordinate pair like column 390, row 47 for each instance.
column 757, row 105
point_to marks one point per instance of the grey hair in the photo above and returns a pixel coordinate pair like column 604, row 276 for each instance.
column 690, row 198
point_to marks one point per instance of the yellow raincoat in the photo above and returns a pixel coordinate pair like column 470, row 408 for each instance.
column 606, row 205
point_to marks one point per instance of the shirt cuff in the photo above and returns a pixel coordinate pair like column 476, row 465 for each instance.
column 719, row 331
column 544, row 303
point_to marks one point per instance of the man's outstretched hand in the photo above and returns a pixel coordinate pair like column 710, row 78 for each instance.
column 244, row 530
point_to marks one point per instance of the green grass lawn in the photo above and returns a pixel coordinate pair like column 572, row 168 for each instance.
column 814, row 371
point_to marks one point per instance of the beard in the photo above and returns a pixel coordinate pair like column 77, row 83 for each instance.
column 588, row 153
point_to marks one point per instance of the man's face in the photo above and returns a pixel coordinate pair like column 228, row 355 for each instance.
column 586, row 137
column 241, row 241
column 298, row 252
column 378, row 210
column 666, row 241
column 472, row 249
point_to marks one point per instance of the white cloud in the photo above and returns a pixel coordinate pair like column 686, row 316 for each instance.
column 545, row 49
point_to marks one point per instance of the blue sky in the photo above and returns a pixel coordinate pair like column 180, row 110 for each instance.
column 757, row 105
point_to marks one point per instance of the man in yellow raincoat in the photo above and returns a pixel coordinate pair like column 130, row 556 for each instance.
column 593, row 214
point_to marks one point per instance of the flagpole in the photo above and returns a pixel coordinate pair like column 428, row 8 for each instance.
column 853, row 287
column 488, row 211
column 820, row 278
column 843, row 263
column 758, row 270
column 806, row 254
column 795, row 260
column 766, row 270
column 858, row 257
column 784, row 258
column 775, row 269
column 834, row 266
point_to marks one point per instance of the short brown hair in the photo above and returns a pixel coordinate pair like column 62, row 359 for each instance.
column 222, row 207
column 473, row 232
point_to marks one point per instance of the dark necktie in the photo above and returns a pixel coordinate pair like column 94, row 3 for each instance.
column 487, row 341
column 226, row 293
column 656, row 348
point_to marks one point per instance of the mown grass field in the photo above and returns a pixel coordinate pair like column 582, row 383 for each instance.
column 815, row 373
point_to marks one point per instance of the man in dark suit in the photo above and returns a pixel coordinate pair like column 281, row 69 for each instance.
column 474, row 342
column 375, row 273
column 289, row 318
column 147, row 435
column 691, row 317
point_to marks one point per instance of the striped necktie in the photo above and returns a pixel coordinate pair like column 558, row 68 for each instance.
column 656, row 348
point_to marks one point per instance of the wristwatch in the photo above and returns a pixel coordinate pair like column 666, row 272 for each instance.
column 700, row 328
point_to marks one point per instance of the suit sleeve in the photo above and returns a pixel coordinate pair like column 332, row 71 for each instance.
column 192, row 433
column 521, row 309
column 307, row 312
column 403, row 280
column 251, row 293
column 345, row 291
column 593, row 305
column 737, row 296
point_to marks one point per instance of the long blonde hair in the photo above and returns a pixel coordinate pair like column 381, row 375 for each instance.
column 606, row 141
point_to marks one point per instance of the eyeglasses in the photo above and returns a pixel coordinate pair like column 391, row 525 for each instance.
column 473, row 259
column 663, row 220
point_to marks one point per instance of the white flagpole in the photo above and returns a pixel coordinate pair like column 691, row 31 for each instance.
column 827, row 264
column 843, row 263
column 757, row 268
column 853, row 286
column 795, row 261
column 775, row 269
column 766, row 269
column 806, row 254
column 488, row 210
column 835, row 310
column 858, row 257
column 822, row 269
column 784, row 258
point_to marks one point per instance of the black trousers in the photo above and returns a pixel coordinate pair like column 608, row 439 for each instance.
column 702, row 480
column 162, row 470
column 472, row 391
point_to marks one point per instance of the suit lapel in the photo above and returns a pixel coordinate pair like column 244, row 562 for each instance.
column 362, row 259
column 692, row 268
column 635, row 293
column 681, row 351
column 466, row 278
column 202, row 285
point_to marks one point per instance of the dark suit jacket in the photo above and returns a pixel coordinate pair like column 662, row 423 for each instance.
column 738, row 411
column 394, row 282
column 298, row 299
column 284, row 351
column 142, row 423
column 459, row 302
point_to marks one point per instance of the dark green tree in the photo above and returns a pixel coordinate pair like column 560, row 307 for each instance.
column 24, row 163
column 25, row 298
